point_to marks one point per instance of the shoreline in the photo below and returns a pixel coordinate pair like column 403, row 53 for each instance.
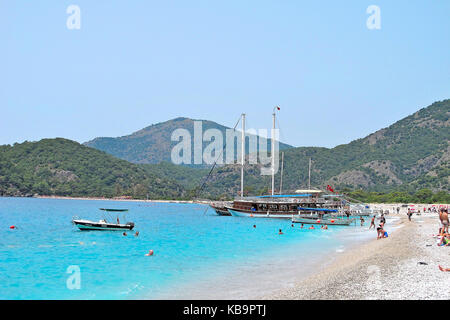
column 253, row 280
column 402, row 266
column 119, row 199
column 375, row 206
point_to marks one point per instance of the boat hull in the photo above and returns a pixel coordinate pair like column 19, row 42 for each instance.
column 236, row 213
column 221, row 211
column 337, row 222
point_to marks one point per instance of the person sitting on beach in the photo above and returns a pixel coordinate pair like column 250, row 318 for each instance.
column 372, row 223
column 445, row 240
column 444, row 269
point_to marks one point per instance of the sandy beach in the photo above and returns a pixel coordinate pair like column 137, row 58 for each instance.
column 402, row 266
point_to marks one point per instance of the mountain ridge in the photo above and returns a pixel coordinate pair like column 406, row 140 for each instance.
column 153, row 144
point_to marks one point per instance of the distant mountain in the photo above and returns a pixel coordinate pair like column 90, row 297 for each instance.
column 411, row 154
column 66, row 168
column 153, row 144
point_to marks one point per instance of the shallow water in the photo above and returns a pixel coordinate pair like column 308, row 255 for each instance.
column 197, row 254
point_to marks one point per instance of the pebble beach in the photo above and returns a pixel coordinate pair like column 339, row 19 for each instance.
column 403, row 266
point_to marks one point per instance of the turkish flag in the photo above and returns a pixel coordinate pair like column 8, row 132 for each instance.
column 330, row 188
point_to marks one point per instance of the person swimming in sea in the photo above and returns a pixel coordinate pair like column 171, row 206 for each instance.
column 312, row 227
column 280, row 232
column 301, row 227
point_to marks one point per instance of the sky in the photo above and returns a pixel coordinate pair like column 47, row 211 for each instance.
column 135, row 63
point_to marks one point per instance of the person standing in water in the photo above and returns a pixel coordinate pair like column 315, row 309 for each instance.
column 383, row 219
column 409, row 214
column 372, row 223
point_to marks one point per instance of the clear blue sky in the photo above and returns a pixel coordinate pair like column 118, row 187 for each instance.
column 135, row 63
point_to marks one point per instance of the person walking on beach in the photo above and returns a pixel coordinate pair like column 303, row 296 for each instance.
column 362, row 220
column 409, row 214
column 443, row 216
column 372, row 223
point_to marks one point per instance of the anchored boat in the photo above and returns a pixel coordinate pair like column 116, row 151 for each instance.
column 102, row 225
column 83, row 224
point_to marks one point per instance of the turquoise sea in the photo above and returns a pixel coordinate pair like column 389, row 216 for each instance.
column 197, row 254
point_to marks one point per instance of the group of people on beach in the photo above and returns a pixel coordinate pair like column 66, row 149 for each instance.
column 381, row 233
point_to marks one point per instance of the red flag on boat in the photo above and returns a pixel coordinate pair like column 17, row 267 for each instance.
column 330, row 188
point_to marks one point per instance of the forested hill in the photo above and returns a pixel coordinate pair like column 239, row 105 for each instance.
column 411, row 154
column 153, row 144
column 66, row 168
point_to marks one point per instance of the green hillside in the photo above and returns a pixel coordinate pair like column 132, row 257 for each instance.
column 153, row 144
column 405, row 161
column 66, row 168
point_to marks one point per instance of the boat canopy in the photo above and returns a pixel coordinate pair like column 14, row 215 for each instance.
column 317, row 209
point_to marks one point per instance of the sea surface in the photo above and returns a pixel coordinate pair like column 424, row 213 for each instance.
column 197, row 254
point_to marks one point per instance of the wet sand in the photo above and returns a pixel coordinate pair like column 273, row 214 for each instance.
column 402, row 266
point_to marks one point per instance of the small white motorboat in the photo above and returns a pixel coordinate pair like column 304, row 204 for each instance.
column 102, row 225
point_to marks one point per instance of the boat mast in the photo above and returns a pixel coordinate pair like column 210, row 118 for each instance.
column 309, row 175
column 242, row 155
column 273, row 150
column 282, row 165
